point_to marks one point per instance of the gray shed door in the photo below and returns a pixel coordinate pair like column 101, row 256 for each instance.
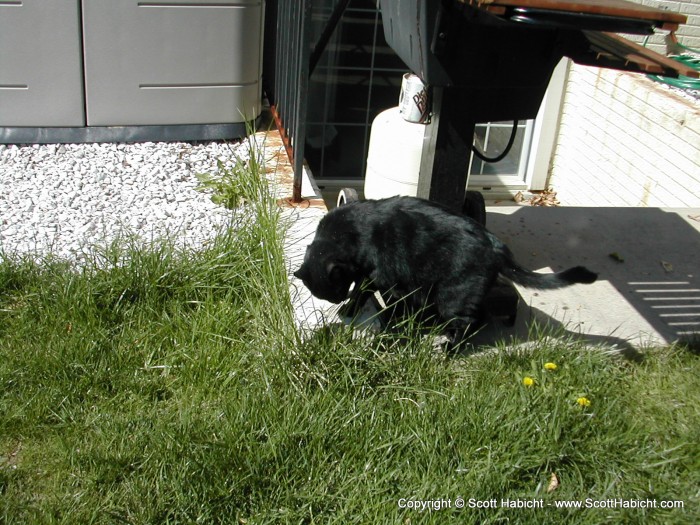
column 196, row 62
column 41, row 79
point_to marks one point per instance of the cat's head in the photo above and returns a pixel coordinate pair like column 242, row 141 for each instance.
column 326, row 273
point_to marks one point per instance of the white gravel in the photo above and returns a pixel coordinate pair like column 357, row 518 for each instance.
column 65, row 199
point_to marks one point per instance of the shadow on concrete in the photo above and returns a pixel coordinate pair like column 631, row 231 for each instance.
column 648, row 261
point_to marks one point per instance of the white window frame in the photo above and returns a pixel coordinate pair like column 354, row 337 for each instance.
column 538, row 145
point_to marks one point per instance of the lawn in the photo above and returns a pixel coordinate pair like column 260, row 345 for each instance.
column 160, row 384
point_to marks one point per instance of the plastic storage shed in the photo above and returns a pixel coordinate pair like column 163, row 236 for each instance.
column 139, row 70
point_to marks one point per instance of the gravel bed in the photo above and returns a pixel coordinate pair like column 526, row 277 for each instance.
column 65, row 199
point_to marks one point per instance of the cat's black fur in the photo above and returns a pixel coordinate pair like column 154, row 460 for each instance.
column 410, row 248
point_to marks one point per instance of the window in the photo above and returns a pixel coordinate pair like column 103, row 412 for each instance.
column 491, row 139
column 357, row 77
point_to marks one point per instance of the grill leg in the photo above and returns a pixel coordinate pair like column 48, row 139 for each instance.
column 446, row 149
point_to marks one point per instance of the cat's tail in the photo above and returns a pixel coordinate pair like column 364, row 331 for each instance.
column 529, row 279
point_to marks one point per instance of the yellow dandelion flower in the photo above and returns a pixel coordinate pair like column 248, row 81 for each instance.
column 550, row 366
column 528, row 381
column 583, row 401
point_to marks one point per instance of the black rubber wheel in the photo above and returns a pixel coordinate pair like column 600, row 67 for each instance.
column 346, row 196
column 475, row 207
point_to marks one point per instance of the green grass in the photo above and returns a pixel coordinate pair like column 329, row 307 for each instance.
column 166, row 385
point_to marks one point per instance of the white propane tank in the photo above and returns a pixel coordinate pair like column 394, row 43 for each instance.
column 393, row 159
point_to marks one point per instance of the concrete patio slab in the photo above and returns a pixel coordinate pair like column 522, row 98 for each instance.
column 648, row 261
column 300, row 222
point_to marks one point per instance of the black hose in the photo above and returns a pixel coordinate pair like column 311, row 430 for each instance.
column 503, row 155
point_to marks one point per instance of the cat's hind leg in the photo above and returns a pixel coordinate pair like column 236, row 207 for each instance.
column 461, row 308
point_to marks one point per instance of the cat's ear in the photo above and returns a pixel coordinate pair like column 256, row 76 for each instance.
column 302, row 273
column 338, row 272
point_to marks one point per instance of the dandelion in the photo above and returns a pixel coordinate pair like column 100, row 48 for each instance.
column 550, row 366
column 583, row 402
column 528, row 381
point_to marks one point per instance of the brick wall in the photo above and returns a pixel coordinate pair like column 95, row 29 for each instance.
column 625, row 140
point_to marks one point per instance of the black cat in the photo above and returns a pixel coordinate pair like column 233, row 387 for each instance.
column 418, row 251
